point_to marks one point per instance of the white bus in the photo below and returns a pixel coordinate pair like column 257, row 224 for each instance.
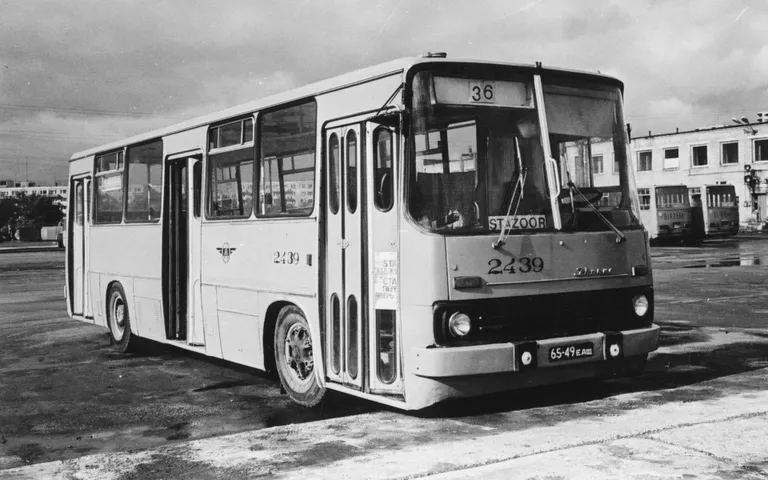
column 405, row 233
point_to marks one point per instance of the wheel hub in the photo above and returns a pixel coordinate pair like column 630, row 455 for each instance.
column 120, row 314
column 298, row 352
column 117, row 317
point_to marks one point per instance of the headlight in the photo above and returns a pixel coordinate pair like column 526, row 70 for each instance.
column 459, row 324
column 640, row 304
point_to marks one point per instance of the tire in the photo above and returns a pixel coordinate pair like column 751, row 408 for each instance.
column 119, row 319
column 294, row 359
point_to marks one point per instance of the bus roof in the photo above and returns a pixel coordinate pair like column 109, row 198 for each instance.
column 364, row 74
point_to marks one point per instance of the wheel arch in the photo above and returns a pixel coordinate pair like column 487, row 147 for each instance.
column 126, row 283
column 269, row 325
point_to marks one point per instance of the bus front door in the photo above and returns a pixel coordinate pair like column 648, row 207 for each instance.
column 181, row 246
column 344, row 321
column 381, row 240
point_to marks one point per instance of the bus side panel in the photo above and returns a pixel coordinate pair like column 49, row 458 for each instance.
column 125, row 253
column 97, row 302
column 239, row 326
column 210, row 321
column 423, row 276
column 148, row 308
column 243, row 258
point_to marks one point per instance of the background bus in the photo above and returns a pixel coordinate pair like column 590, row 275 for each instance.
column 406, row 233
column 716, row 211
column 666, row 212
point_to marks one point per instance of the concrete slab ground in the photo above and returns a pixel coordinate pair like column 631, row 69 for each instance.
column 698, row 436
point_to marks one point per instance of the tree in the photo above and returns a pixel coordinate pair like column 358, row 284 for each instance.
column 36, row 210
column 8, row 210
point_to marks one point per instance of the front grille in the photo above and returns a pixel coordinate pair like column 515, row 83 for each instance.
column 543, row 316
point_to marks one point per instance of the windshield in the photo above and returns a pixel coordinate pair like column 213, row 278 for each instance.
column 589, row 144
column 722, row 196
column 477, row 162
column 672, row 197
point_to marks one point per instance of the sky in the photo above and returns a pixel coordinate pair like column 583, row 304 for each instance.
column 78, row 74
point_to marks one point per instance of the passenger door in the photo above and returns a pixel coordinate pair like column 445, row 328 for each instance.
column 181, row 249
column 77, row 246
column 360, row 294
column 343, row 291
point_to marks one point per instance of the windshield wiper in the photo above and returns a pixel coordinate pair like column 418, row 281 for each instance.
column 619, row 236
column 520, row 183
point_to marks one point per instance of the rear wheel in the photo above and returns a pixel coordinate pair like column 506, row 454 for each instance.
column 294, row 358
column 118, row 319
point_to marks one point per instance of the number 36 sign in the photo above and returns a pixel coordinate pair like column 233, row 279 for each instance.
column 481, row 91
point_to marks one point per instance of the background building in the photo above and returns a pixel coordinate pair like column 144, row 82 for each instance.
column 705, row 156
column 59, row 193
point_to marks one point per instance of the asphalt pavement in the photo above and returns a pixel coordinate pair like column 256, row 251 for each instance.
column 717, row 429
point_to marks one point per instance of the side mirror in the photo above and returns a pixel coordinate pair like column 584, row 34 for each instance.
column 267, row 199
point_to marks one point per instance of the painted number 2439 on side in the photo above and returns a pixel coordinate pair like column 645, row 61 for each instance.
column 516, row 265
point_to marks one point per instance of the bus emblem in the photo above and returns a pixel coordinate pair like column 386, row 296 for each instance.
column 226, row 251
column 591, row 272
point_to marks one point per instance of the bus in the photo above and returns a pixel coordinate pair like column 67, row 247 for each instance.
column 407, row 233
column 666, row 212
column 716, row 211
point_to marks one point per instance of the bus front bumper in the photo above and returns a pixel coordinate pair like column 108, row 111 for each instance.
column 521, row 356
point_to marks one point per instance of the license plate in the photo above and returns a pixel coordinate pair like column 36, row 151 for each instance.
column 571, row 352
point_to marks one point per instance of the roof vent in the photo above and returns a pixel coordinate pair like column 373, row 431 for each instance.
column 434, row 55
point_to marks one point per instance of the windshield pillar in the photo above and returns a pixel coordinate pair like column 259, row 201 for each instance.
column 553, row 181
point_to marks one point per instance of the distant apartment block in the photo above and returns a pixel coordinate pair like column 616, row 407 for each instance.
column 59, row 193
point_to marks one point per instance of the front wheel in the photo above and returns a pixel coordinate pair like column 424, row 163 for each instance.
column 294, row 358
column 118, row 319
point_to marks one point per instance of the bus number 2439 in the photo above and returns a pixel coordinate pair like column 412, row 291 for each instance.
column 286, row 258
column 524, row 265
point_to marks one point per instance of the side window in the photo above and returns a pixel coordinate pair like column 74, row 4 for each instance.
column 197, row 179
column 383, row 171
column 230, row 170
column 108, row 201
column 334, row 167
column 230, row 184
column 288, row 137
column 351, row 171
column 79, row 203
column 144, row 180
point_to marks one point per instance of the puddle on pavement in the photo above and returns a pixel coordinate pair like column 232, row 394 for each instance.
column 744, row 260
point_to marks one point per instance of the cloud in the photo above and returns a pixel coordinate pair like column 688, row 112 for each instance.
column 684, row 63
